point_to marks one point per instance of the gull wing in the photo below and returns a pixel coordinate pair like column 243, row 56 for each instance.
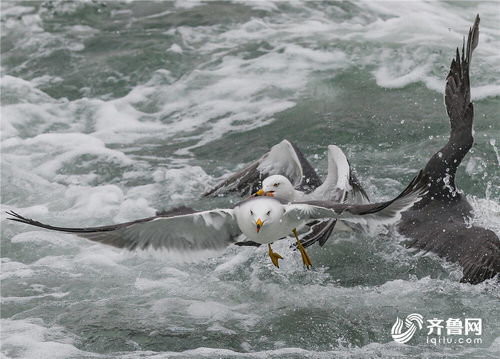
column 475, row 249
column 207, row 230
column 318, row 232
column 382, row 213
column 340, row 185
column 442, row 167
column 283, row 159
column 357, row 194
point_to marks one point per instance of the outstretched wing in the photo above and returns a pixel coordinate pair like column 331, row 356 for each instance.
column 206, row 230
column 283, row 159
column 442, row 167
column 383, row 212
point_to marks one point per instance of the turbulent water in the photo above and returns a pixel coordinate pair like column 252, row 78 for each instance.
column 111, row 111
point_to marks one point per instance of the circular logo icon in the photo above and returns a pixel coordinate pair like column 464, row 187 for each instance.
column 411, row 323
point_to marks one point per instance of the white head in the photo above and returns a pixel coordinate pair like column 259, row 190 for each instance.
column 255, row 216
column 278, row 186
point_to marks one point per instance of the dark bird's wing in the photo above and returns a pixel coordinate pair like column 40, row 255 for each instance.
column 383, row 212
column 475, row 249
column 207, row 230
column 282, row 159
column 319, row 232
column 177, row 211
column 357, row 193
column 442, row 167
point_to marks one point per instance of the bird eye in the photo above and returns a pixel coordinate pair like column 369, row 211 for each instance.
column 251, row 212
column 268, row 213
column 276, row 184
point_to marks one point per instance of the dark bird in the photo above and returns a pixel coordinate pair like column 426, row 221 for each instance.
column 438, row 223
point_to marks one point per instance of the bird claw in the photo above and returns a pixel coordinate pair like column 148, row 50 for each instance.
column 305, row 258
column 274, row 257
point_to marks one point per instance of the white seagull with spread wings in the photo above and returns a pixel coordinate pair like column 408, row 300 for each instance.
column 261, row 219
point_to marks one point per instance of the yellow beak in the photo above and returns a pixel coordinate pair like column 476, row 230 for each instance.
column 260, row 192
column 259, row 224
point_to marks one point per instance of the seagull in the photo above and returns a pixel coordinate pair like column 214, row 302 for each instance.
column 336, row 186
column 261, row 219
column 287, row 160
column 301, row 181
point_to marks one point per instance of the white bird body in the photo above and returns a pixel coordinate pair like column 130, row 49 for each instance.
column 270, row 212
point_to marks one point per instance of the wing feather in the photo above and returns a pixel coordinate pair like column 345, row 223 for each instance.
column 214, row 229
column 283, row 159
column 442, row 166
column 383, row 212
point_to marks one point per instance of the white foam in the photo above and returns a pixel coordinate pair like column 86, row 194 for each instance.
column 187, row 4
column 216, row 327
column 82, row 31
column 175, row 48
column 262, row 5
column 386, row 79
column 43, row 238
column 99, row 257
column 233, row 264
column 31, row 338
column 214, row 311
column 16, row 10
column 99, row 201
column 485, row 91
column 148, row 284
column 32, row 297
column 22, row 91
column 486, row 211
column 13, row 269
column 131, row 209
